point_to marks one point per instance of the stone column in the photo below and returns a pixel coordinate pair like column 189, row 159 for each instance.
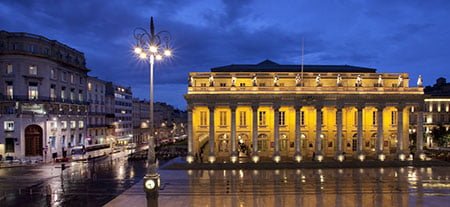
column 359, row 148
column 400, row 136
column 212, row 135
column 380, row 133
column 318, row 152
column 255, row 156
column 276, row 131
column 234, row 154
column 419, row 134
column 298, row 134
column 190, row 155
column 339, row 132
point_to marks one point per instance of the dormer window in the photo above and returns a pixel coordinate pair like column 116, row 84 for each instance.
column 33, row 70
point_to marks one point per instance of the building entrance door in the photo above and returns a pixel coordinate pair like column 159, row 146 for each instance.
column 33, row 140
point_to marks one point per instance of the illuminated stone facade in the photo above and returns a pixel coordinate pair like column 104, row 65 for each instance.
column 273, row 111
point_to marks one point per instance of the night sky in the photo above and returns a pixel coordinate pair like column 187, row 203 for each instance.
column 393, row 36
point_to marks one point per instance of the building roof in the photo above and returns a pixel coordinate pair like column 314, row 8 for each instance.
column 270, row 66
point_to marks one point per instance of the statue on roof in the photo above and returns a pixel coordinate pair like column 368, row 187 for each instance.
column 275, row 80
column 339, row 80
column 380, row 81
column 298, row 80
column 191, row 81
column 358, row 82
column 318, row 81
column 233, row 81
column 211, row 80
column 400, row 81
column 254, row 81
column 420, row 81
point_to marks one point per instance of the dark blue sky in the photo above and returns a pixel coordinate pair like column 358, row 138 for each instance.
column 393, row 36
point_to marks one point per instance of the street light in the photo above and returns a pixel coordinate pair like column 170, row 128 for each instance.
column 152, row 46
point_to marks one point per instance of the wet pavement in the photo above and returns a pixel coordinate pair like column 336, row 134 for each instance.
column 401, row 186
column 92, row 183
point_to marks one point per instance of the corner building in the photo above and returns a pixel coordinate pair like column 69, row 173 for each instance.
column 277, row 112
column 43, row 106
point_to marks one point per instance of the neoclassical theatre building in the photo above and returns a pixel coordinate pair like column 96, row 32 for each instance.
column 270, row 111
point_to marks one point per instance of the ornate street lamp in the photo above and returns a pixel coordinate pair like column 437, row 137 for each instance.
column 151, row 46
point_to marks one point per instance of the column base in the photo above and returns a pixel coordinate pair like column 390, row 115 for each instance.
column 420, row 155
column 234, row 157
column 211, row 159
column 298, row 157
column 276, row 157
column 381, row 156
column 189, row 158
column 401, row 156
column 318, row 157
column 255, row 158
column 360, row 156
column 339, row 156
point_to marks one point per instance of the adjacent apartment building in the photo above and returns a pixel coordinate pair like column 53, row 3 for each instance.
column 42, row 96
column 120, row 103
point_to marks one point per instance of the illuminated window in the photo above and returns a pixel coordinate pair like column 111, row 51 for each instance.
column 71, row 78
column 33, row 70
column 33, row 91
column 52, row 92
column 53, row 73
column 73, row 124
column 223, row 118
column 89, row 86
column 9, row 90
column 80, row 124
column 281, row 118
column 9, row 126
column 64, row 124
column 262, row 118
column 63, row 93
column 9, row 69
column 72, row 94
column 263, row 143
column 242, row 118
column 80, row 95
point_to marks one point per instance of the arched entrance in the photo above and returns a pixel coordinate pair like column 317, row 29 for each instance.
column 33, row 140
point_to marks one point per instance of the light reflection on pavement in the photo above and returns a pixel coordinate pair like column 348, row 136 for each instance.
column 92, row 183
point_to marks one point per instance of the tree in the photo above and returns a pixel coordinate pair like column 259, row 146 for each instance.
column 440, row 136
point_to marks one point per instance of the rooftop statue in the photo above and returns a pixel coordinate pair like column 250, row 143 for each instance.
column 254, row 81
column 380, row 81
column 298, row 80
column 400, row 81
column 211, row 80
column 318, row 80
column 420, row 81
column 275, row 80
column 358, row 82
column 233, row 80
column 339, row 80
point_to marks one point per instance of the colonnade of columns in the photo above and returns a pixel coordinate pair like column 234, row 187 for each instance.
column 318, row 139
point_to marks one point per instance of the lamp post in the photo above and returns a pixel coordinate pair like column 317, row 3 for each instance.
column 151, row 46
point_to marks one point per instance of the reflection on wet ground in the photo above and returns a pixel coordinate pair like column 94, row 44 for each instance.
column 407, row 186
column 81, row 184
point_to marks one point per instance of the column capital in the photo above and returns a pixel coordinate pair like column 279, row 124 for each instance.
column 233, row 106
column 298, row 106
column 318, row 106
column 400, row 106
column 211, row 107
column 276, row 106
column 255, row 106
column 380, row 107
column 360, row 106
column 339, row 106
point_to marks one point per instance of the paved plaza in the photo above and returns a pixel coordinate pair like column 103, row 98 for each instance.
column 368, row 186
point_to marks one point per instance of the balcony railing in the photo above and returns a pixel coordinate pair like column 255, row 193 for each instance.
column 41, row 99
column 304, row 89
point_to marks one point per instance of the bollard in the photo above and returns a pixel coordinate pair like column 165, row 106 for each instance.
column 63, row 166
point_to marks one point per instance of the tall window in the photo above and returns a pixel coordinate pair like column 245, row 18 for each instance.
column 9, row 90
column 242, row 118
column 71, row 78
column 64, row 124
column 53, row 92
column 80, row 124
column 80, row 95
column 64, row 76
column 223, row 118
column 9, row 69
column 203, row 118
column 33, row 70
column 89, row 86
column 72, row 94
column 262, row 118
column 281, row 118
column 53, row 73
column 73, row 124
column 393, row 118
column 374, row 118
column 63, row 93
column 33, row 91
column 302, row 118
